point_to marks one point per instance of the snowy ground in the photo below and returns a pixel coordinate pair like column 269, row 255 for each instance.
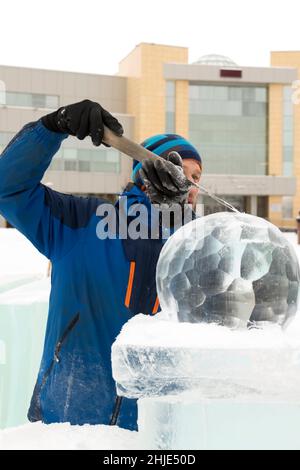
column 26, row 259
column 63, row 436
column 38, row 436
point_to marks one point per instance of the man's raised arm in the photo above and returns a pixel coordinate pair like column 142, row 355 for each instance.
column 49, row 219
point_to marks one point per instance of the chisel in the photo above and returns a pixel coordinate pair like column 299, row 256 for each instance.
column 137, row 152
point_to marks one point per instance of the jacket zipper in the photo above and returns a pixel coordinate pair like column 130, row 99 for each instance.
column 58, row 348
column 64, row 336
column 116, row 411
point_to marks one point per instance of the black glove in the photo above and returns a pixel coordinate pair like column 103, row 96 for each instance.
column 165, row 180
column 82, row 119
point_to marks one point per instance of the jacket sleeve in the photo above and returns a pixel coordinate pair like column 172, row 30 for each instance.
column 49, row 219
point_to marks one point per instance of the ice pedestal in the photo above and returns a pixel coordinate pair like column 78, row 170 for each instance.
column 23, row 315
column 179, row 425
column 13, row 281
column 203, row 386
column 24, row 294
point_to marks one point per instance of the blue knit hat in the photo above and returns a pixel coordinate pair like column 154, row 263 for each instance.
column 162, row 145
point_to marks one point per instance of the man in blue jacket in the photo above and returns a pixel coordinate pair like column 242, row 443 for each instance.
column 97, row 285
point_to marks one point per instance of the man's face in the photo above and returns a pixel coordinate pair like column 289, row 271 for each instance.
column 192, row 171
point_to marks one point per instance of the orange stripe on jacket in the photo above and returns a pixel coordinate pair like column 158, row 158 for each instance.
column 130, row 283
column 156, row 305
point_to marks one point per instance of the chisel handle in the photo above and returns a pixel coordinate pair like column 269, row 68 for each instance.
column 127, row 146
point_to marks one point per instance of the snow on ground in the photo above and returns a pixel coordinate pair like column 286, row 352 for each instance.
column 37, row 436
column 21, row 262
column 18, row 255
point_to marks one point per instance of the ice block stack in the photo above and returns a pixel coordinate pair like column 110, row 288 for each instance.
column 200, row 384
column 24, row 296
column 205, row 386
column 23, row 316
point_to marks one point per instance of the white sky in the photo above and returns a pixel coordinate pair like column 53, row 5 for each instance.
column 93, row 36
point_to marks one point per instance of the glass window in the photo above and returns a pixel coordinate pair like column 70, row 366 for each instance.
column 38, row 101
column 248, row 94
column 233, row 108
column 96, row 166
column 288, row 123
column 170, row 106
column 229, row 126
column 31, row 100
column 193, row 92
column 235, row 93
column 288, row 108
column 70, row 165
column 287, row 207
column 105, row 167
column 170, row 90
column 288, row 94
column 261, row 95
column 69, row 154
column 18, row 99
column 220, row 92
column 83, row 166
column 288, row 133
column 254, row 109
column 288, row 154
column 99, row 155
column 83, row 155
column 112, row 156
column 288, row 138
column 56, row 165
column 194, row 107
column 170, row 123
column 52, row 102
column 86, row 160
column 288, row 168
column 206, row 92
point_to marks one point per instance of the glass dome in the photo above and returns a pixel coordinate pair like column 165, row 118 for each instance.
column 216, row 59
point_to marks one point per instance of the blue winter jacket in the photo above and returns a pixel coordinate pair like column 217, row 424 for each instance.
column 97, row 285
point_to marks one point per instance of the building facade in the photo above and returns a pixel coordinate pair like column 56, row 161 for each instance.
column 243, row 120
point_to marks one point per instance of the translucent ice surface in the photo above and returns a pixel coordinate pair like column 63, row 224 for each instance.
column 23, row 316
column 205, row 386
column 24, row 295
column 231, row 269
column 218, row 425
column 156, row 357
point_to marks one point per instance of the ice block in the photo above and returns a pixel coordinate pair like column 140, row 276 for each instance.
column 196, row 382
column 23, row 316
